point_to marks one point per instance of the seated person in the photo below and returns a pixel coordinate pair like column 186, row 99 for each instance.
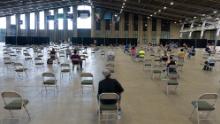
column 172, row 62
column 126, row 48
column 181, row 55
column 109, row 85
column 76, row 59
column 193, row 52
column 208, row 50
column 133, row 51
column 141, row 54
column 110, row 55
column 50, row 61
column 53, row 54
column 165, row 57
column 209, row 62
column 169, row 48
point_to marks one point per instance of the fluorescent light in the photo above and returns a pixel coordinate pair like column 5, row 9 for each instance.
column 171, row 3
column 215, row 11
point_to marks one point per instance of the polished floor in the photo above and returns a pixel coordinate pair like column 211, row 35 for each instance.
column 143, row 102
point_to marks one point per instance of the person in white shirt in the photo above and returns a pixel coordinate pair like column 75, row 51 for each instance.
column 210, row 62
column 110, row 55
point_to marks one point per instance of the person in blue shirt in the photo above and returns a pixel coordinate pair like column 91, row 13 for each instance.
column 126, row 48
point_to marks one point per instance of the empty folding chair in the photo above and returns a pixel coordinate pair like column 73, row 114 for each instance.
column 147, row 64
column 156, row 70
column 65, row 68
column 7, row 62
column 172, row 82
column 38, row 62
column 14, row 101
column 49, row 80
column 20, row 70
column 204, row 104
column 86, row 80
column 27, row 57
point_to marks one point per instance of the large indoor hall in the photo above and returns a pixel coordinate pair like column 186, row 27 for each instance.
column 109, row 61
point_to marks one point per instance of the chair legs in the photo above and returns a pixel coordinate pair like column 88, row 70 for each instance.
column 167, row 88
column 26, row 110
column 192, row 113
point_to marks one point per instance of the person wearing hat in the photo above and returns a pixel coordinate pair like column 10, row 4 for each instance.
column 109, row 85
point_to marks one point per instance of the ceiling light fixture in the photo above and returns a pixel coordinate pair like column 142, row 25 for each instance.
column 164, row 7
column 171, row 3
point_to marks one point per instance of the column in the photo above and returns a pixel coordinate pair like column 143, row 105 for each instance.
column 93, row 29
column 36, row 23
column 140, row 29
column 130, row 29
column 121, row 26
column 27, row 20
column 46, row 30
column 8, row 25
column 112, row 28
column 149, row 30
column 158, row 30
column 55, row 25
column 74, row 21
column 65, row 24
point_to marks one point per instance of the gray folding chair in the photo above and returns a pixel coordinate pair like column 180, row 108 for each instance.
column 14, row 101
column 87, row 80
column 49, row 80
column 108, row 109
column 206, row 104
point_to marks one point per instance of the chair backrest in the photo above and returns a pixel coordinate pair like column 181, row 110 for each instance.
column 18, row 64
column 109, row 96
column 86, row 74
column 65, row 65
column 6, row 58
column 38, row 59
column 10, row 95
column 209, row 97
column 48, row 74
column 110, row 65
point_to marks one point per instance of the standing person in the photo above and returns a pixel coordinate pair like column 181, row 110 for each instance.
column 76, row 59
column 109, row 85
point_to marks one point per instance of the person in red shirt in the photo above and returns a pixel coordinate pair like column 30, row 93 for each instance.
column 76, row 59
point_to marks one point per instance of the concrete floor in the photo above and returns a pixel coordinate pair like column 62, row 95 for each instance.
column 143, row 102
